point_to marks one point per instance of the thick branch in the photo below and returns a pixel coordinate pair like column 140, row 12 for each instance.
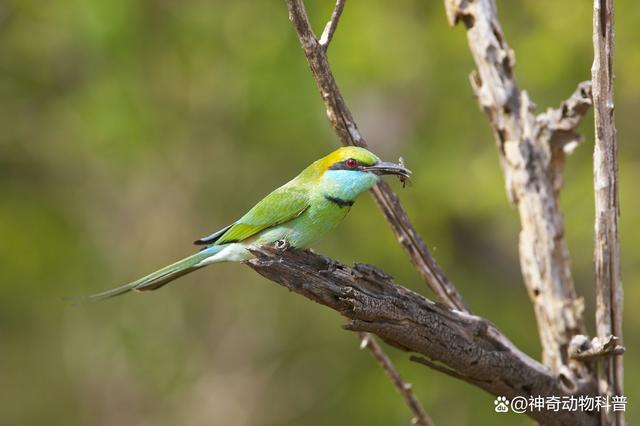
column 605, row 166
column 343, row 123
column 531, row 153
column 467, row 345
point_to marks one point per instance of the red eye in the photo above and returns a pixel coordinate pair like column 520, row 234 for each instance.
column 351, row 163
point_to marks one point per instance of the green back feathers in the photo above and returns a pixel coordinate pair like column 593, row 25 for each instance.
column 282, row 205
column 287, row 202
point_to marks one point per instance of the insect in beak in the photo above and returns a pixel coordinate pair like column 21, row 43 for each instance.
column 388, row 168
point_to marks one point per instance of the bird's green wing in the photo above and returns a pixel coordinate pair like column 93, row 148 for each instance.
column 282, row 205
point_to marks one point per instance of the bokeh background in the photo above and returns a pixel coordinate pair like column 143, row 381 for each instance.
column 128, row 128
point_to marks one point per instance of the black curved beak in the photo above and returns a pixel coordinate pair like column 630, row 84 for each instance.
column 388, row 168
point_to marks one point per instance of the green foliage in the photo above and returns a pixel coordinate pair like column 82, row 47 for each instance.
column 129, row 128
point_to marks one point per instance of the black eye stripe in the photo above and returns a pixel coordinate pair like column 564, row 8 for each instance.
column 342, row 165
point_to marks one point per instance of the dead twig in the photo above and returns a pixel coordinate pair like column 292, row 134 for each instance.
column 332, row 25
column 583, row 348
column 404, row 389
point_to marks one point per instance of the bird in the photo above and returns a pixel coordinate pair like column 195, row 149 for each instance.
column 298, row 213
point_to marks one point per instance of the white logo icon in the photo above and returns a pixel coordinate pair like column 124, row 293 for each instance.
column 501, row 404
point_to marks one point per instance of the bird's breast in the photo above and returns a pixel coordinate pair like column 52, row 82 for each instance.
column 322, row 216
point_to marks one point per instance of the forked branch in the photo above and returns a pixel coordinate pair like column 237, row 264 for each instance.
column 532, row 150
column 332, row 25
column 342, row 122
column 344, row 125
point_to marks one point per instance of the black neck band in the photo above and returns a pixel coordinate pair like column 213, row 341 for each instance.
column 339, row 201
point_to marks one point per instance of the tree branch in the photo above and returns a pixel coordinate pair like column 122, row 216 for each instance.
column 342, row 122
column 558, row 126
column 605, row 167
column 532, row 152
column 467, row 345
column 405, row 389
column 583, row 348
column 332, row 25
column 344, row 125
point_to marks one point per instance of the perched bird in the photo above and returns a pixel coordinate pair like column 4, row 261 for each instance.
column 299, row 212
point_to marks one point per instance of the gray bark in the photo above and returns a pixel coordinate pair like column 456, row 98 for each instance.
column 607, row 246
column 468, row 346
column 532, row 151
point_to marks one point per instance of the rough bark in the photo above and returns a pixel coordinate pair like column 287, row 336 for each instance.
column 605, row 166
column 470, row 347
column 532, row 150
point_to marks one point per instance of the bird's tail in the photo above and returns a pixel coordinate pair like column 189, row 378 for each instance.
column 160, row 277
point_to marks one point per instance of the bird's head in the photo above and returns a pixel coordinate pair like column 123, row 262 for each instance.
column 350, row 170
column 360, row 160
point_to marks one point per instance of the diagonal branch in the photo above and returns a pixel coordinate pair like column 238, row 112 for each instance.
column 344, row 125
column 467, row 345
column 605, row 167
column 342, row 122
column 405, row 389
column 532, row 153
column 332, row 25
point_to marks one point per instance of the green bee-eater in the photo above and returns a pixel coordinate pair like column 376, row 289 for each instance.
column 300, row 212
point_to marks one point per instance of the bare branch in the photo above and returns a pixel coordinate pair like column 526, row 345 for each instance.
column 532, row 169
column 332, row 25
column 405, row 389
column 466, row 344
column 342, row 122
column 583, row 348
column 344, row 125
column 560, row 123
column 605, row 167
column 558, row 126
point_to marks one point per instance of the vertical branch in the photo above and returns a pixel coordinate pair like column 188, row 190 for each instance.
column 605, row 168
column 345, row 127
column 531, row 150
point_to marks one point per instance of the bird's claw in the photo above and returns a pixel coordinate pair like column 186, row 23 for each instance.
column 282, row 245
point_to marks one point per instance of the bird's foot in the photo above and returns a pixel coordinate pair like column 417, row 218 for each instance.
column 282, row 245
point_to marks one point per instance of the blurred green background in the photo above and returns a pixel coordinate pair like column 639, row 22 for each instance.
column 128, row 128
